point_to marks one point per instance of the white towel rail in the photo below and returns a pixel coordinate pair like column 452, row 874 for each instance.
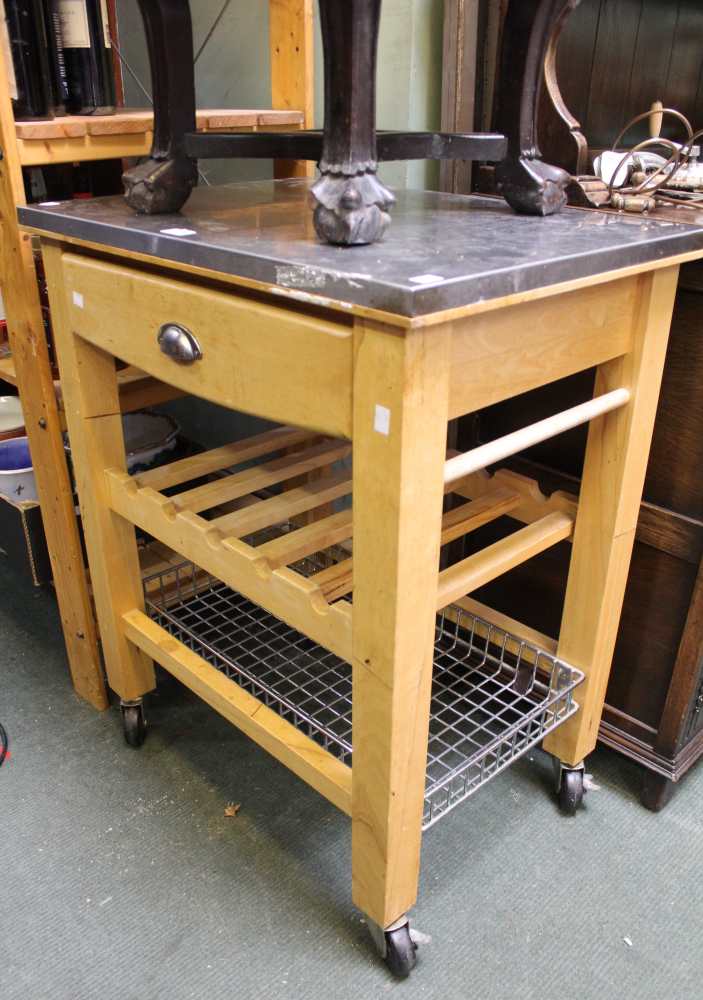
column 494, row 451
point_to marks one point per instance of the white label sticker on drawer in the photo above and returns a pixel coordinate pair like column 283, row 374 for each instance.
column 78, row 300
column 382, row 420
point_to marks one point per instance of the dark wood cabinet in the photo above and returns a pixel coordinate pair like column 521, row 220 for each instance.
column 615, row 58
column 654, row 710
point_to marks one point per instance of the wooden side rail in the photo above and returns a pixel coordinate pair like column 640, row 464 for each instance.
column 479, row 569
column 511, row 444
column 286, row 570
column 298, row 752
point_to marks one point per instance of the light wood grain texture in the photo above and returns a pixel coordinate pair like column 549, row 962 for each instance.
column 461, row 22
column 533, row 504
column 613, row 477
column 556, row 337
column 473, row 572
column 92, row 408
column 257, row 358
column 338, row 580
column 306, row 540
column 128, row 133
column 286, row 594
column 258, row 477
column 297, row 752
column 197, row 466
column 398, row 494
column 8, row 372
column 139, row 390
column 33, row 377
column 289, row 504
column 292, row 48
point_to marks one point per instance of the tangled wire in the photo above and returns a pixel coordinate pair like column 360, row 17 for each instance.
column 654, row 185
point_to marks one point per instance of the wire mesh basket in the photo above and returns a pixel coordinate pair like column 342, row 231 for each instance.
column 493, row 695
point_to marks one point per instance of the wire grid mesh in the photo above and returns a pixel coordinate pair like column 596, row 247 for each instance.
column 493, row 696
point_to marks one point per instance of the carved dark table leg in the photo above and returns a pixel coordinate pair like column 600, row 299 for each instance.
column 527, row 184
column 351, row 204
column 164, row 182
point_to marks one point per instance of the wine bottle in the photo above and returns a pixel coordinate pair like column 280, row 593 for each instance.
column 27, row 58
column 57, row 65
column 87, row 53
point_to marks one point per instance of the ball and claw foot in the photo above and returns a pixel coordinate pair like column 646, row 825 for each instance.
column 397, row 946
column 133, row 722
column 531, row 187
column 570, row 787
column 351, row 210
column 160, row 187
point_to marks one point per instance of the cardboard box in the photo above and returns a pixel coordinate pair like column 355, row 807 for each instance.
column 22, row 540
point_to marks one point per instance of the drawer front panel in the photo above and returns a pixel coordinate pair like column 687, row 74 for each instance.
column 256, row 357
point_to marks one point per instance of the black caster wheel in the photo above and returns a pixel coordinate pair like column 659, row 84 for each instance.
column 571, row 791
column 133, row 724
column 397, row 948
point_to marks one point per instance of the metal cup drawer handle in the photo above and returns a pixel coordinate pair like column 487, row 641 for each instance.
column 179, row 344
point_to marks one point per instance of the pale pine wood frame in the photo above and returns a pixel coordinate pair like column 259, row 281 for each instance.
column 42, row 419
column 421, row 375
column 291, row 40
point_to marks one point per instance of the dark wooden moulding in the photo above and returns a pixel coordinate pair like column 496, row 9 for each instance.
column 654, row 705
column 351, row 204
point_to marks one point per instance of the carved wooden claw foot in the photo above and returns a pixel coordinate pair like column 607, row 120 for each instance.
column 351, row 210
column 532, row 187
column 160, row 186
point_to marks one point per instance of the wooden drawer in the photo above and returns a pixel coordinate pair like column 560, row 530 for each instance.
column 257, row 358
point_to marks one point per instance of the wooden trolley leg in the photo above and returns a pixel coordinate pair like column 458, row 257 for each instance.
column 95, row 425
column 611, row 490
column 400, row 427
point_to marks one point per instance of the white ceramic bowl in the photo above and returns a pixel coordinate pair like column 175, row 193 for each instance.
column 16, row 472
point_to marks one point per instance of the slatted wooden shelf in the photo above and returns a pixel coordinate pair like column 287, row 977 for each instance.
column 128, row 133
column 258, row 548
column 137, row 389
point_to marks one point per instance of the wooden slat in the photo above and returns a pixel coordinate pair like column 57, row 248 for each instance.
column 479, row 569
column 297, row 752
column 131, row 122
column 260, row 476
column 337, row 581
column 7, row 371
column 288, row 505
column 187, row 469
column 139, row 390
column 292, row 48
column 128, row 133
column 283, row 592
column 304, row 541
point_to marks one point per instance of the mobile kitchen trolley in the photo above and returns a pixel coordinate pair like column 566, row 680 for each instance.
column 294, row 610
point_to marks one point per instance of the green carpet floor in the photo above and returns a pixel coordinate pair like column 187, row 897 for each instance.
column 122, row 879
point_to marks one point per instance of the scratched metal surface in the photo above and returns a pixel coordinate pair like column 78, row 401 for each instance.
column 442, row 250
